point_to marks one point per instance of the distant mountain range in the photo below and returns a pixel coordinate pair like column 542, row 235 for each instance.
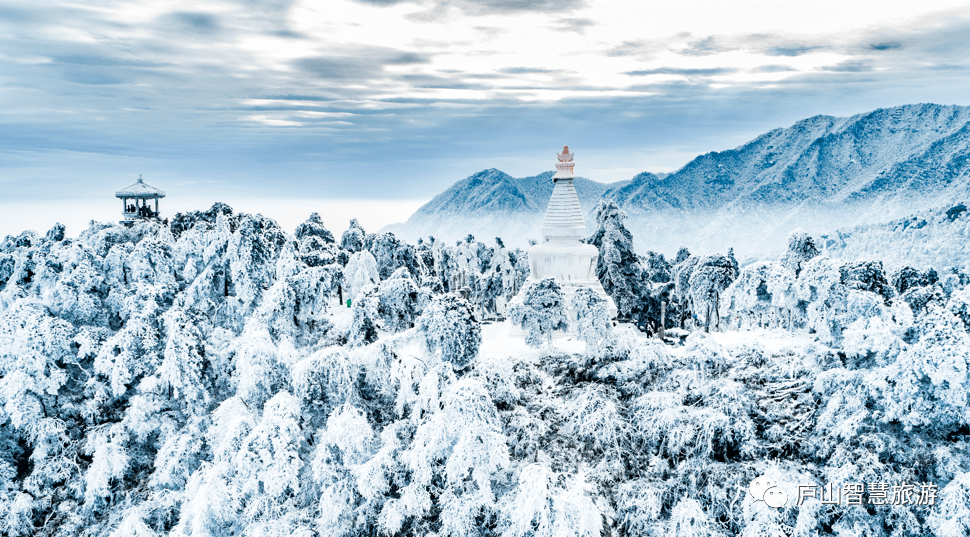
column 493, row 204
column 821, row 174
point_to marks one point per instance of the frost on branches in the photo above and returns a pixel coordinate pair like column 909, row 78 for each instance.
column 202, row 379
column 541, row 310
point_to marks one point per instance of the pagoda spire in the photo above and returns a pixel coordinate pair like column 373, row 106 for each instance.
column 564, row 216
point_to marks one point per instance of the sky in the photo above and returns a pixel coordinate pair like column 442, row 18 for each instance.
column 372, row 107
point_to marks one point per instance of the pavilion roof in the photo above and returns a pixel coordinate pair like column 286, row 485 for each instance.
column 140, row 189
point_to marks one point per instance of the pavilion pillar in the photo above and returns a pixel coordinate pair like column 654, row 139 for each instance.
column 156, row 207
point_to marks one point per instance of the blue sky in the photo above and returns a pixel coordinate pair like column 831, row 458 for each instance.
column 320, row 101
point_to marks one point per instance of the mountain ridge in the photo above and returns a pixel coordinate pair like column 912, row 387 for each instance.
column 492, row 203
column 821, row 173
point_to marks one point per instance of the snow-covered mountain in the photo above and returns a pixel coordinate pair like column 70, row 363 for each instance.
column 491, row 204
column 821, row 174
column 933, row 238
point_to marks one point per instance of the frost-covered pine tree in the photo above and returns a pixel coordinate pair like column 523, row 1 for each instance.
column 867, row 276
column 360, row 274
column 352, row 240
column 458, row 443
column 819, row 287
column 451, row 330
column 801, row 249
column 365, row 318
column 592, row 317
column 928, row 383
column 313, row 227
column 549, row 504
column 391, row 253
column 540, row 311
column 710, row 276
column 682, row 272
column 655, row 267
column 399, row 301
column 747, row 302
column 618, row 267
column 316, row 244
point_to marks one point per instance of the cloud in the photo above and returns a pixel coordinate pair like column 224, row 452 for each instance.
column 886, row 46
column 364, row 63
column 91, row 78
column 383, row 2
column 436, row 9
column 791, row 50
column 406, row 58
column 194, row 22
column 17, row 14
column 772, row 69
column 98, row 94
column 642, row 48
column 337, row 68
column 704, row 47
column 530, row 71
column 683, row 72
column 577, row 25
column 103, row 60
column 850, row 66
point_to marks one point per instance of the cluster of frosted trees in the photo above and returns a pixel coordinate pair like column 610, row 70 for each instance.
column 196, row 379
column 801, row 291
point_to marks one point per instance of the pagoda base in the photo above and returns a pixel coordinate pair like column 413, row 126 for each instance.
column 573, row 265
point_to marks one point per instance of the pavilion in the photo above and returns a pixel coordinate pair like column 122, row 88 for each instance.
column 139, row 193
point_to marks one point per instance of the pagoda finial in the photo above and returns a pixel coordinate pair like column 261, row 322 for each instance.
column 139, row 178
column 564, row 168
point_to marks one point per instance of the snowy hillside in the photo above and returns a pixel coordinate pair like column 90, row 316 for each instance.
column 492, row 204
column 207, row 378
column 820, row 174
column 935, row 238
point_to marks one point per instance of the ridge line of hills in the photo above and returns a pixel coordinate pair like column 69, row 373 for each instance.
column 822, row 174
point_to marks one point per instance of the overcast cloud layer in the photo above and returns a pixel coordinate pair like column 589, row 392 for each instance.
column 397, row 99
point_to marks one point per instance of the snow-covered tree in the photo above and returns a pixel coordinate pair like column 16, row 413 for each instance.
column 316, row 244
column 399, row 301
column 801, row 249
column 391, row 253
column 655, row 267
column 352, row 240
column 451, row 330
column 343, row 447
column 547, row 504
column 709, row 278
column 592, row 317
column 365, row 319
column 820, row 288
column 927, row 386
column 313, row 227
column 747, row 301
column 618, row 267
column 867, row 276
column 465, row 436
column 540, row 311
column 360, row 274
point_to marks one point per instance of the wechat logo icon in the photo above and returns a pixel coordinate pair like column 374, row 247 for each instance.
column 765, row 489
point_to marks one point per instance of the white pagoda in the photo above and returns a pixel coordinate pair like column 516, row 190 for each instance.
column 561, row 255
